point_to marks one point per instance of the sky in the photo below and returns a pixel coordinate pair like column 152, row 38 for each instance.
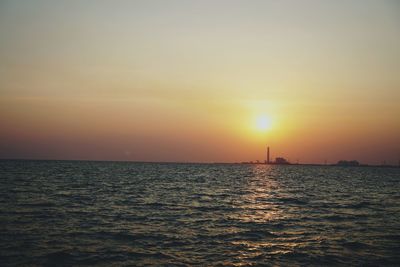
column 188, row 81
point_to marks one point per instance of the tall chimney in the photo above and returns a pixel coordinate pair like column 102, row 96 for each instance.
column 267, row 155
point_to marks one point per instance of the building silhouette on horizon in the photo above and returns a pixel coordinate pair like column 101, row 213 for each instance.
column 278, row 160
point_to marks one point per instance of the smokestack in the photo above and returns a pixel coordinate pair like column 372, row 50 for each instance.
column 267, row 155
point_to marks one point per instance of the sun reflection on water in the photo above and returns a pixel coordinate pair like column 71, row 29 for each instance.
column 261, row 215
column 257, row 203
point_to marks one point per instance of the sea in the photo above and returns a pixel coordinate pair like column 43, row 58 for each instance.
column 80, row 213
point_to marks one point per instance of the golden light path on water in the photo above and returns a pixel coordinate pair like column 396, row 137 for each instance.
column 198, row 214
column 259, row 209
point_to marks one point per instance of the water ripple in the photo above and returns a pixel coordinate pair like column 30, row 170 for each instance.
column 112, row 214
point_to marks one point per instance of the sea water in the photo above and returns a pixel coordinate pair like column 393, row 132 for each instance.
column 55, row 213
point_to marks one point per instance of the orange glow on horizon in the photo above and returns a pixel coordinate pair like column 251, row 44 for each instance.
column 189, row 82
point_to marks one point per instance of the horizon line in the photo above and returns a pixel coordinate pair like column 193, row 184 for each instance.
column 198, row 162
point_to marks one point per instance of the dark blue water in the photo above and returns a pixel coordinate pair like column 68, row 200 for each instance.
column 107, row 213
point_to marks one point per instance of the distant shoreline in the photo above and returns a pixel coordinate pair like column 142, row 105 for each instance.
column 320, row 165
column 205, row 163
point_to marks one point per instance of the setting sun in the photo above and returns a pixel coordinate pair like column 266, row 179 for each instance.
column 246, row 128
column 263, row 123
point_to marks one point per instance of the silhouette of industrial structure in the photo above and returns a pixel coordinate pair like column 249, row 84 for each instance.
column 278, row 160
column 281, row 160
column 341, row 163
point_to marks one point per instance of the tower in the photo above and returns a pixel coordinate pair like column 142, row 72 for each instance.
column 268, row 155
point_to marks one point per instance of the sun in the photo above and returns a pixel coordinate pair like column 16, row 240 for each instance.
column 263, row 123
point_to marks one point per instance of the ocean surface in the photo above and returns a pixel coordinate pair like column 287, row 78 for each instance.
column 72, row 213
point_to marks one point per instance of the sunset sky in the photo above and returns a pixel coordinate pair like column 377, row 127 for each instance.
column 200, row 81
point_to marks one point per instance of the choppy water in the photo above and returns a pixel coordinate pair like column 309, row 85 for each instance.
column 107, row 213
